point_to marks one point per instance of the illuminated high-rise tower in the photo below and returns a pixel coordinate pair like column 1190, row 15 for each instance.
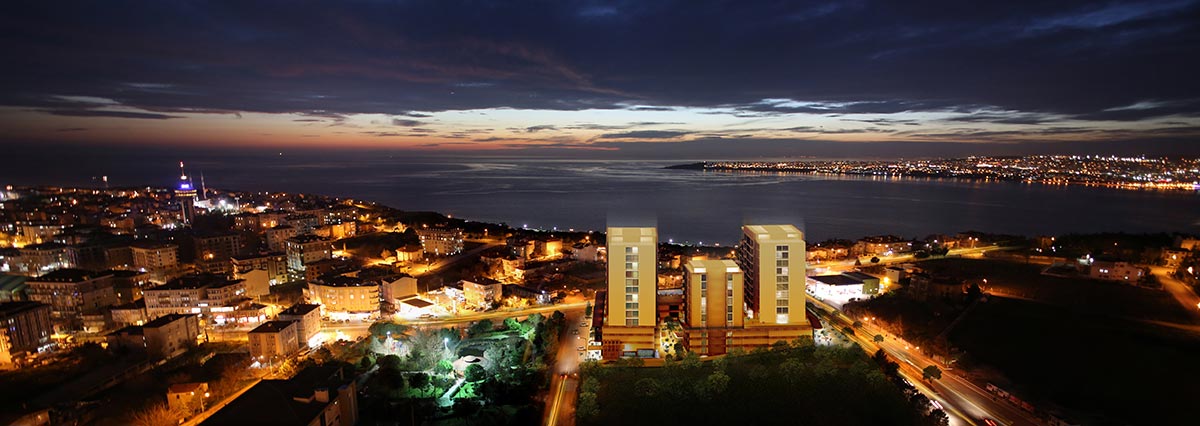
column 631, row 311
column 186, row 195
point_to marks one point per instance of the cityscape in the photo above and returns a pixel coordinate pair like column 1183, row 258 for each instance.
column 599, row 213
column 1126, row 173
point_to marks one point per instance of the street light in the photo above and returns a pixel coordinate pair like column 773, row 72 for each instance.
column 446, row 343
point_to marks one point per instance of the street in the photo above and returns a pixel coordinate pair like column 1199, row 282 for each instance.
column 964, row 402
column 560, row 406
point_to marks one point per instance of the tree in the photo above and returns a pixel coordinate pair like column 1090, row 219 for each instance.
column 590, row 384
column 848, row 330
column 366, row 362
column 157, row 414
column 878, row 338
column 466, row 407
column 475, row 373
column 857, row 324
column 646, row 387
column 390, row 362
column 690, row 360
column 481, row 327
column 418, row 380
column 717, row 382
column 512, row 325
column 322, row 355
column 587, row 407
column 932, row 372
column 874, row 259
column 443, row 367
column 385, row 329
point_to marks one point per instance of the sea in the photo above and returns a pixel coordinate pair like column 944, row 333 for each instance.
column 687, row 205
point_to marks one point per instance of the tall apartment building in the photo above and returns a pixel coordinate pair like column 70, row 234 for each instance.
column 305, row 249
column 441, row 241
column 71, row 293
column 713, row 304
column 278, row 235
column 630, row 311
column 161, row 260
column 24, row 327
column 344, row 297
column 773, row 258
column 214, row 250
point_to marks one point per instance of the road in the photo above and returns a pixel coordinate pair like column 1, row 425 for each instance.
column 560, row 405
column 963, row 401
column 1180, row 291
column 356, row 329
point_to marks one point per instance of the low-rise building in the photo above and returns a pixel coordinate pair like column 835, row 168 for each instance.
column 127, row 314
column 1117, row 271
column 128, row 285
column 307, row 315
column 261, row 271
column 881, row 245
column 187, row 398
column 206, row 294
column 274, row 340
column 345, row 297
column 165, row 337
column 38, row 259
column 482, row 294
column 397, row 289
column 321, row 396
column 71, row 293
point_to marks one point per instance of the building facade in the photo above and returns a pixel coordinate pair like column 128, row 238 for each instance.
column 24, row 327
column 305, row 249
column 72, row 293
column 343, row 297
column 441, row 241
column 308, row 318
column 274, row 340
column 630, row 316
column 713, row 304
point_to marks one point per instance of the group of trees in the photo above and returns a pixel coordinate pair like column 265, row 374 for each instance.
column 829, row 385
column 920, row 403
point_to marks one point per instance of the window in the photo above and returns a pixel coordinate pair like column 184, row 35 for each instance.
column 631, row 314
column 631, row 250
column 631, row 297
column 781, row 309
column 631, row 305
column 781, row 271
column 631, row 322
column 631, row 266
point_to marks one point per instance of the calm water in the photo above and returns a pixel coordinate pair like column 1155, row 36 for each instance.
column 687, row 205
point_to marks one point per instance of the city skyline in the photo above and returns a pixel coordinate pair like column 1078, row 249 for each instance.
column 597, row 79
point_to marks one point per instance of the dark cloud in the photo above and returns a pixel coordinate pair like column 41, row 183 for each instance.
column 1020, row 62
column 406, row 123
column 113, row 114
column 645, row 134
column 535, row 129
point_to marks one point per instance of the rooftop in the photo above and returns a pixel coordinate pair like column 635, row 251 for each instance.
column 11, row 308
column 300, row 309
column 343, row 281
column 166, row 319
column 272, row 326
column 68, row 275
column 774, row 232
column 840, row 279
column 307, row 238
column 286, row 399
column 196, row 281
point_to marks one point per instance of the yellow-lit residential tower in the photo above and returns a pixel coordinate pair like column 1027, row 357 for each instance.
column 772, row 256
column 630, row 311
column 713, row 305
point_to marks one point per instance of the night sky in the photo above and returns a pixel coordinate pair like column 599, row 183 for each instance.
column 590, row 77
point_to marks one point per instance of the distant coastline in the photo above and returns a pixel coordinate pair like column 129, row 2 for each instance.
column 1137, row 174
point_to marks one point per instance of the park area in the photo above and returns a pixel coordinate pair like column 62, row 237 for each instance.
column 790, row 384
column 451, row 376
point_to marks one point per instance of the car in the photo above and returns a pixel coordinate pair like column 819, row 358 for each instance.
column 990, row 422
column 935, row 404
column 582, row 348
column 574, row 331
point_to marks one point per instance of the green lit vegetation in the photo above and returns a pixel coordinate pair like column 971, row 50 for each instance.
column 786, row 385
column 448, row 376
